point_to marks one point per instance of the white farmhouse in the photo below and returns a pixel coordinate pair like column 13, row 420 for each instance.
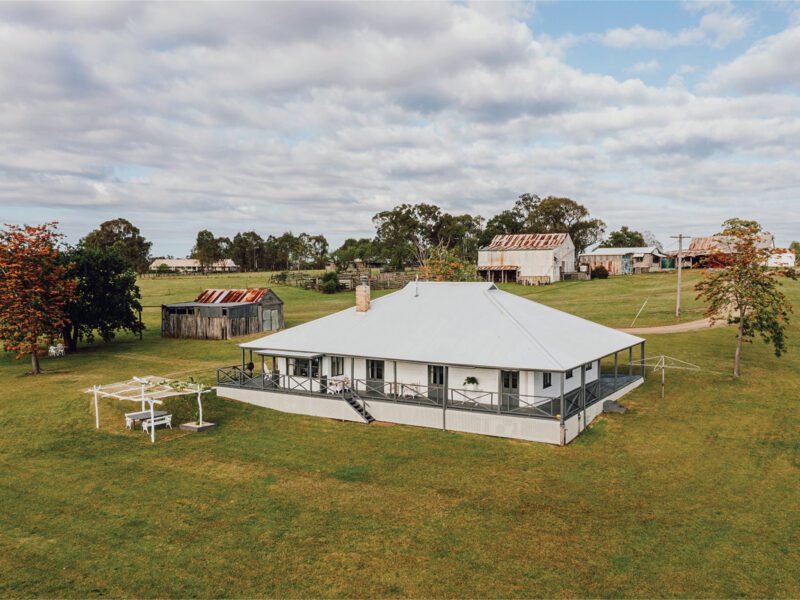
column 529, row 258
column 459, row 356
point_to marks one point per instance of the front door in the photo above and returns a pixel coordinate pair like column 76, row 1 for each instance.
column 375, row 369
column 437, row 383
column 509, row 390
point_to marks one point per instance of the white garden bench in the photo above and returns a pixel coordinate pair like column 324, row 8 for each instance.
column 159, row 420
column 141, row 415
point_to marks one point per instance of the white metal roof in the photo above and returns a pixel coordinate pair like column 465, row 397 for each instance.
column 623, row 251
column 472, row 324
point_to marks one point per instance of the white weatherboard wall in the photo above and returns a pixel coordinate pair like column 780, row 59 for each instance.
column 315, row 406
column 484, row 423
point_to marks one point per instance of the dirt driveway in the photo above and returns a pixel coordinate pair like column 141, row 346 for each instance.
column 677, row 328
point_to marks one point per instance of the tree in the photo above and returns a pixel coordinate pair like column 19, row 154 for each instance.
column 34, row 289
column 207, row 249
column 312, row 251
column 106, row 297
column 745, row 292
column 559, row 215
column 351, row 249
column 407, row 232
column 651, row 241
column 444, row 266
column 121, row 233
column 624, row 238
column 247, row 251
column 795, row 247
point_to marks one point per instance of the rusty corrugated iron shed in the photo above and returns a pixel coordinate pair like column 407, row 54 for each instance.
column 230, row 296
column 725, row 244
column 527, row 241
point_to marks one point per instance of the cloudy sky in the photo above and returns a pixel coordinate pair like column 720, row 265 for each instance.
column 312, row 117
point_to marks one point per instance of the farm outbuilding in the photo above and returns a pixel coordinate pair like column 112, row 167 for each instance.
column 702, row 249
column 624, row 261
column 191, row 265
column 529, row 258
column 222, row 314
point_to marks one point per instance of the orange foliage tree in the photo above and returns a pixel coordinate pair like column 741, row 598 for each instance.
column 34, row 287
column 443, row 266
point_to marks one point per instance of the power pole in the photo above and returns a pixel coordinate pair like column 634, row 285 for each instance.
column 680, row 237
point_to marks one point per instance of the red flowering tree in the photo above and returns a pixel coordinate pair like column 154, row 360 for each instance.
column 742, row 290
column 34, row 287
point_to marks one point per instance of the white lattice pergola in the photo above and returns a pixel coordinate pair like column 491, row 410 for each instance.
column 149, row 390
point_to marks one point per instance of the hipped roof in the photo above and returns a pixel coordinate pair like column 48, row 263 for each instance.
column 469, row 324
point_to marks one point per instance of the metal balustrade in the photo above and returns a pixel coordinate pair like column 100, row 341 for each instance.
column 362, row 390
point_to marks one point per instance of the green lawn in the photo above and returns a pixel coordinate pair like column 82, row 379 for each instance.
column 693, row 495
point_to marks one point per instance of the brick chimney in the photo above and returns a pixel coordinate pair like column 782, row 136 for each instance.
column 362, row 295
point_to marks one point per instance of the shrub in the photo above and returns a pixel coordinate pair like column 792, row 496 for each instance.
column 600, row 272
column 330, row 282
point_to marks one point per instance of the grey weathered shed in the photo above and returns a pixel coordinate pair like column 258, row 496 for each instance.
column 222, row 314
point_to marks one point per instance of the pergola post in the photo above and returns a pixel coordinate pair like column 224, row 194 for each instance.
column 200, row 408
column 96, row 409
column 152, row 423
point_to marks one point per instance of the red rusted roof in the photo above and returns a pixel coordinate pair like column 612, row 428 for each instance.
column 228, row 296
column 725, row 244
column 527, row 241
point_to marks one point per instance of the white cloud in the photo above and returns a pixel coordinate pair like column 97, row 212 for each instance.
column 312, row 117
column 771, row 64
column 720, row 25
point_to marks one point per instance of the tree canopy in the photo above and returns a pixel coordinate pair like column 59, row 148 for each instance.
column 121, row 233
column 624, row 238
column 745, row 292
column 106, row 297
column 532, row 214
column 34, row 289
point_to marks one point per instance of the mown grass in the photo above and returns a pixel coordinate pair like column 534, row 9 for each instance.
column 693, row 495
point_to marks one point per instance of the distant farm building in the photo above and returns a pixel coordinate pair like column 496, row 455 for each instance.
column 223, row 314
column 782, row 258
column 624, row 261
column 191, row 265
column 529, row 258
column 702, row 248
